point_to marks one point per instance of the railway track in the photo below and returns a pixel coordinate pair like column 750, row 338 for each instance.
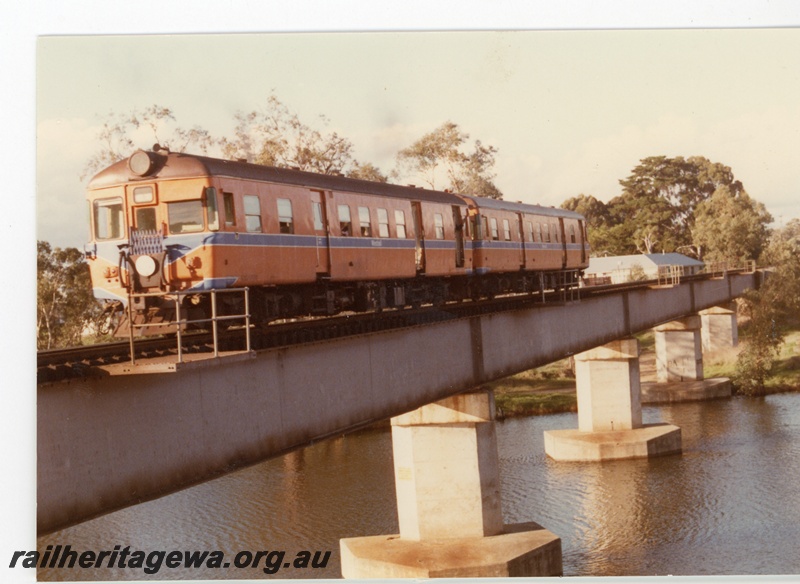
column 72, row 362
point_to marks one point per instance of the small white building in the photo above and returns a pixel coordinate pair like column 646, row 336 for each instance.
column 620, row 269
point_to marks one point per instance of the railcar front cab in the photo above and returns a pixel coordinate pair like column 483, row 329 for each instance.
column 142, row 231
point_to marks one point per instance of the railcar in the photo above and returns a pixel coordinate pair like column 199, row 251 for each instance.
column 164, row 223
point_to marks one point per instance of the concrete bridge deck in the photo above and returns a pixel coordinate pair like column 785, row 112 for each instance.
column 106, row 443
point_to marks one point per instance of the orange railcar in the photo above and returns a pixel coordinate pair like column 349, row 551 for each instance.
column 307, row 243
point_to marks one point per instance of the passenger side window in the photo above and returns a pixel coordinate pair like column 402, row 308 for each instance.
column 252, row 213
column 506, row 230
column 439, row 225
column 529, row 231
column 345, row 224
column 400, row 224
column 572, row 234
column 495, row 232
column 285, row 217
column 363, row 219
column 230, row 211
column 546, row 233
column 539, row 233
column 383, row 223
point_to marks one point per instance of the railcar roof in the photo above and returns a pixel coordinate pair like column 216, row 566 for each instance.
column 177, row 165
column 495, row 204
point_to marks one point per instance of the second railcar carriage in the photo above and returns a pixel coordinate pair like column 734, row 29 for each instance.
column 308, row 244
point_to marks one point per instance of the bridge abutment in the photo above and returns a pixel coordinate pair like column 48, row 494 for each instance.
column 448, row 500
column 610, row 411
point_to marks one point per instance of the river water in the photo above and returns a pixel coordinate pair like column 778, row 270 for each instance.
column 730, row 504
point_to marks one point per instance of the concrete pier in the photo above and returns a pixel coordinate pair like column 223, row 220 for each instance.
column 680, row 345
column 448, row 501
column 719, row 327
column 610, row 411
column 679, row 350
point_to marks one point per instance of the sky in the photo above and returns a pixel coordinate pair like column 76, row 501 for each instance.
column 569, row 112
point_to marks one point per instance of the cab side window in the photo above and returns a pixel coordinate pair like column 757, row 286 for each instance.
column 230, row 210
column 108, row 219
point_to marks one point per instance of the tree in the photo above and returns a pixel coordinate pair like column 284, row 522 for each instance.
column 442, row 152
column 658, row 206
column 770, row 310
column 660, row 197
column 123, row 133
column 367, row 171
column 65, row 305
column 730, row 226
column 598, row 223
column 275, row 136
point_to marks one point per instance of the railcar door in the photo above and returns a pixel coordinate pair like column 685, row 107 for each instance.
column 563, row 235
column 458, row 222
column 419, row 235
column 521, row 231
column 320, row 218
column 145, row 250
column 582, row 239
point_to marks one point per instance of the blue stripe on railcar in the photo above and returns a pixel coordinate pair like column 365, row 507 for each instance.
column 181, row 245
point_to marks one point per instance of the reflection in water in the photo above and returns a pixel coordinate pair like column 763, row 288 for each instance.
column 728, row 505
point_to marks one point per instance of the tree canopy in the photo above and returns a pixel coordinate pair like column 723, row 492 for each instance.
column 730, row 227
column 689, row 205
column 122, row 132
column 444, row 151
column 275, row 136
column 65, row 306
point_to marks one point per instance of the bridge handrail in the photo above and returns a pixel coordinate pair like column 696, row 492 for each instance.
column 179, row 322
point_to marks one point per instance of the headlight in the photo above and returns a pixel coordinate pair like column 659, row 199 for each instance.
column 140, row 163
column 145, row 266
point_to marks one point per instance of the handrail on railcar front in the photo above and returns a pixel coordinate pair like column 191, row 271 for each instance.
column 179, row 322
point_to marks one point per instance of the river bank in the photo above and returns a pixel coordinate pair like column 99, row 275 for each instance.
column 551, row 389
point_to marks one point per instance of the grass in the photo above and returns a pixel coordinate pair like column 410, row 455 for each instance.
column 721, row 363
column 785, row 374
column 546, row 390
column 535, row 404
